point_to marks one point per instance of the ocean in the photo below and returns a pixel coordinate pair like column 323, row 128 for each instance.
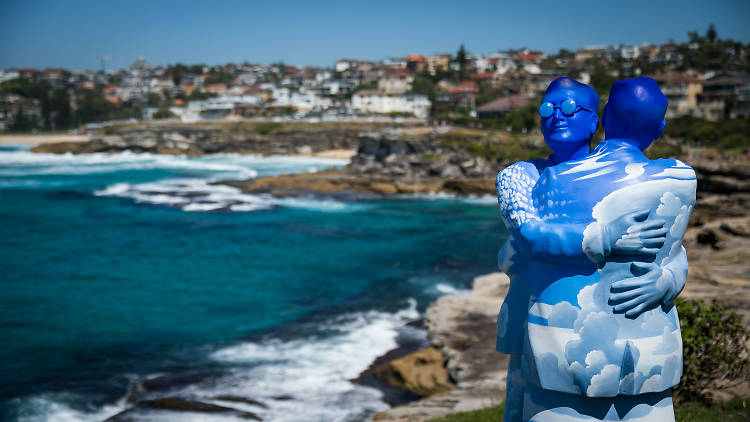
column 134, row 275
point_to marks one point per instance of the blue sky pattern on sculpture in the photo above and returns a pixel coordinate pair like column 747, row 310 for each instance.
column 579, row 345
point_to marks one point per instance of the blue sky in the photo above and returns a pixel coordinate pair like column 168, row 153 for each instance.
column 73, row 34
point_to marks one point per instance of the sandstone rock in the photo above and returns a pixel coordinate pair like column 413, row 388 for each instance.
column 451, row 171
column 463, row 328
column 421, row 372
column 382, row 188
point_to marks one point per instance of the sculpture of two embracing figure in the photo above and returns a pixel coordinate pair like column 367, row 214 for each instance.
column 596, row 260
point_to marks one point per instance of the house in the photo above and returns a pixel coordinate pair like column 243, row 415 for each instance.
column 504, row 63
column 6, row 75
column 218, row 89
column 501, row 106
column 482, row 64
column 720, row 93
column 438, row 62
column 529, row 56
column 682, row 92
column 12, row 104
column 590, row 52
column 372, row 101
column 462, row 95
column 396, row 81
column 416, row 63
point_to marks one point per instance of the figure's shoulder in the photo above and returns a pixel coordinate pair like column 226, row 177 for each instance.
column 671, row 167
column 520, row 171
column 516, row 182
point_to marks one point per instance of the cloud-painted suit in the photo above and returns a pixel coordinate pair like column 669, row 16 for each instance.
column 600, row 318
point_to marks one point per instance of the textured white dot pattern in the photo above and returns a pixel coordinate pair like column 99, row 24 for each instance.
column 514, row 186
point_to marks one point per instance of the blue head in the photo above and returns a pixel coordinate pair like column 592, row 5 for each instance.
column 568, row 125
column 635, row 111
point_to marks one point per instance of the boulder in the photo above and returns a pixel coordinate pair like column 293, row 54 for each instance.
column 421, row 372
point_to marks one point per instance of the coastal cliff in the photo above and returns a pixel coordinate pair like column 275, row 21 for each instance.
column 388, row 164
column 262, row 138
column 462, row 328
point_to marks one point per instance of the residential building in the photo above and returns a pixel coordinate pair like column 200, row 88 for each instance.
column 396, row 81
column 682, row 92
column 438, row 62
column 501, row 106
column 372, row 101
column 416, row 63
column 720, row 93
column 462, row 95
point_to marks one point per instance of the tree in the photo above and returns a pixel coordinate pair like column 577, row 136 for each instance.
column 602, row 81
column 62, row 113
column 711, row 34
column 461, row 59
column 21, row 123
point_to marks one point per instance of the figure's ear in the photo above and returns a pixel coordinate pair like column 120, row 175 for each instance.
column 594, row 124
column 661, row 128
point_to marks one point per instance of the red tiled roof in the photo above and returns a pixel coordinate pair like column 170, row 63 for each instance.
column 484, row 75
column 505, row 104
column 366, row 92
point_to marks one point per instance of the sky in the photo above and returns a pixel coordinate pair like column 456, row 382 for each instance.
column 73, row 34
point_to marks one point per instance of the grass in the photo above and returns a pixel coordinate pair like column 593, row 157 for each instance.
column 489, row 414
column 735, row 410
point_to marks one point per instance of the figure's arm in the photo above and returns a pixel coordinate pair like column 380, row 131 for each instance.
column 532, row 236
column 653, row 286
column 567, row 242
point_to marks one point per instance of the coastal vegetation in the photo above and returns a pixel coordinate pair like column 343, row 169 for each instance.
column 715, row 349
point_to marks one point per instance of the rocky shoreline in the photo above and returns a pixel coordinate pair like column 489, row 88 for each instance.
column 384, row 165
column 197, row 140
column 461, row 329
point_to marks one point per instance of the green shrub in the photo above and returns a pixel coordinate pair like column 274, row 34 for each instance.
column 662, row 149
column 714, row 348
column 264, row 128
column 735, row 410
column 489, row 414
column 735, row 140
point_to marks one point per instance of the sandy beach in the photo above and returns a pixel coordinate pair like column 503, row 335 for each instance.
column 41, row 139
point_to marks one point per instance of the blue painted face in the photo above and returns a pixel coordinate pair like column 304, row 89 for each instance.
column 566, row 124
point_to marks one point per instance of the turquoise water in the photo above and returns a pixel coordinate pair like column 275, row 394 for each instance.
column 120, row 268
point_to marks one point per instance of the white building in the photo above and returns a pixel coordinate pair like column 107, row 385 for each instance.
column 217, row 108
column 303, row 101
column 399, row 83
column 370, row 101
column 505, row 62
column 6, row 75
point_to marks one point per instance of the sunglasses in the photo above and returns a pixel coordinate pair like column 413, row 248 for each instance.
column 568, row 108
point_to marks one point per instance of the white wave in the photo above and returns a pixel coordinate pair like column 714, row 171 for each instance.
column 481, row 199
column 450, row 290
column 25, row 163
column 318, row 204
column 308, row 376
column 196, row 195
column 315, row 371
column 446, row 196
column 55, row 408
